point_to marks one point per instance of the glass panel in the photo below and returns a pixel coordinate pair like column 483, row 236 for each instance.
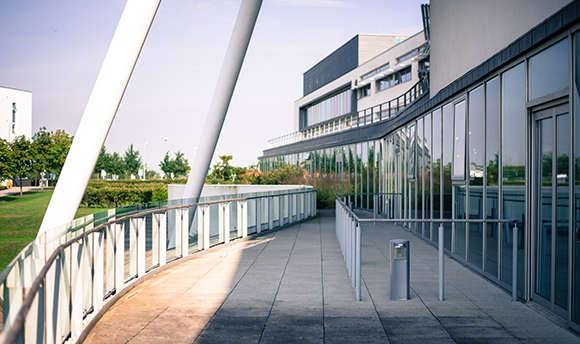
column 427, row 179
column 544, row 233
column 576, row 235
column 562, row 209
column 514, row 167
column 459, row 142
column 436, row 172
column 447, row 161
column 420, row 173
column 460, row 214
column 550, row 70
column 476, row 171
column 491, row 170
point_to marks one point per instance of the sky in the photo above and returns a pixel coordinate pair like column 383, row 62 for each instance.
column 55, row 50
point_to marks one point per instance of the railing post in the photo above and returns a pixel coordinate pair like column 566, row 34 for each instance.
column 358, row 263
column 119, row 257
column 243, row 219
column 258, row 215
column 99, row 269
column 221, row 225
column 226, row 222
column 206, row 227
column 132, row 248
column 375, row 206
column 184, row 233
column 270, row 212
column 289, row 207
column 515, row 263
column 76, row 282
column 200, row 228
column 441, row 265
column 140, row 246
column 162, row 239
column 154, row 239
column 280, row 211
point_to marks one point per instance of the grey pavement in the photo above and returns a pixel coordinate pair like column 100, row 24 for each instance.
column 291, row 286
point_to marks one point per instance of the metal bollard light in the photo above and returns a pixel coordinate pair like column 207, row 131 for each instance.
column 399, row 269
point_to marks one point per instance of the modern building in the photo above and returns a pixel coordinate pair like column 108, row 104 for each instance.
column 486, row 131
column 15, row 113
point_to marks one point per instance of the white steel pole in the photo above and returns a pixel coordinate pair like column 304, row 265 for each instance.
column 100, row 111
column 232, row 64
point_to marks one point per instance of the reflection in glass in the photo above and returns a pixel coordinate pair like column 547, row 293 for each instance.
column 513, row 167
column 491, row 170
column 436, row 172
column 476, row 171
column 550, row 70
column 459, row 141
column 562, row 194
column 447, row 161
column 420, row 174
column 576, row 235
column 427, row 160
column 460, row 226
column 544, row 187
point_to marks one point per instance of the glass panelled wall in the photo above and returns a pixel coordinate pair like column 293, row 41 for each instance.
column 477, row 157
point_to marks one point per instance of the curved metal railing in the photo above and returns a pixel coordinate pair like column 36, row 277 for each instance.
column 373, row 114
column 57, row 286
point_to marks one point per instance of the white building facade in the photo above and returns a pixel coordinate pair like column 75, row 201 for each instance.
column 15, row 113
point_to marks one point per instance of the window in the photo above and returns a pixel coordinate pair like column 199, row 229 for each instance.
column 411, row 54
column 396, row 78
column 375, row 71
column 550, row 70
column 459, row 142
column 328, row 108
column 13, row 125
column 364, row 91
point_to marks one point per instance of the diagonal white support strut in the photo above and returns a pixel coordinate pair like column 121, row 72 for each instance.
column 222, row 95
column 100, row 111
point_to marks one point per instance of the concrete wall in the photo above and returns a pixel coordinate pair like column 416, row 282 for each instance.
column 23, row 100
column 175, row 191
column 389, row 55
column 370, row 46
column 466, row 33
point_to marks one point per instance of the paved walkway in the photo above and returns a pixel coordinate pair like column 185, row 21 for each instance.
column 291, row 286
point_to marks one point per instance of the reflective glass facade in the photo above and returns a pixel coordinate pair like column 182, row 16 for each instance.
column 500, row 149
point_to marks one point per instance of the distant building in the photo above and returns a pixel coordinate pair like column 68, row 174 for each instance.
column 15, row 113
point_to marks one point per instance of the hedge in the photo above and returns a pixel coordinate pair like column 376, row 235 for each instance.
column 113, row 194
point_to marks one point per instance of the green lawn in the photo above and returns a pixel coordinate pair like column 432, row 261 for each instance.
column 20, row 218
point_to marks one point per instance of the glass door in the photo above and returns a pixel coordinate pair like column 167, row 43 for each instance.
column 551, row 210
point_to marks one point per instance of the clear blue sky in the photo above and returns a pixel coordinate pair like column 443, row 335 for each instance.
column 55, row 49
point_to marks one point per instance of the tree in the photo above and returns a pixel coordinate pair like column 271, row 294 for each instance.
column 41, row 146
column 102, row 161
column 60, row 145
column 115, row 165
column 181, row 165
column 132, row 161
column 6, row 163
column 178, row 166
column 223, row 173
column 22, row 158
column 167, row 165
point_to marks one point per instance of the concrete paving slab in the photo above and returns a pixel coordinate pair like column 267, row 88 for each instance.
column 291, row 286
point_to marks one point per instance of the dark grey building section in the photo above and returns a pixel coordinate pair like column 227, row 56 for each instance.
column 340, row 62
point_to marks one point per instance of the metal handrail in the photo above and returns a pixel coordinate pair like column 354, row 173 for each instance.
column 357, row 220
column 11, row 336
column 392, row 107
